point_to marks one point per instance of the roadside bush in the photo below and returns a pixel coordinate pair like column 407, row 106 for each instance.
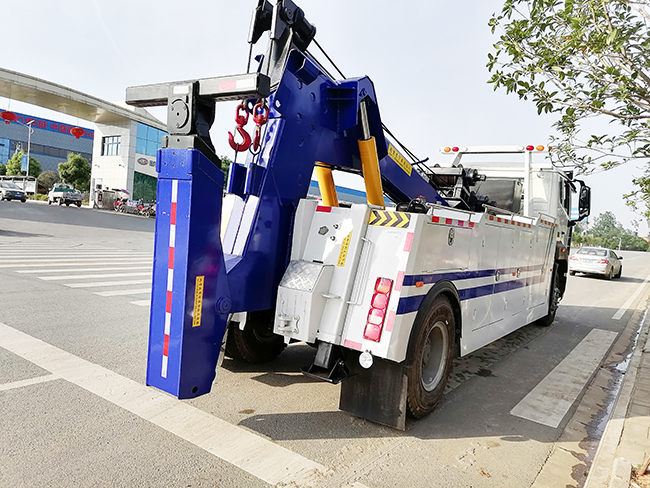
column 38, row 196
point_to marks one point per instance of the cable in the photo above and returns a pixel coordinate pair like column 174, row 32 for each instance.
column 329, row 59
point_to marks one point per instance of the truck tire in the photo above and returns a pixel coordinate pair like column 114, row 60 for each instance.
column 620, row 272
column 78, row 204
column 67, row 204
column 430, row 355
column 553, row 305
column 59, row 201
column 256, row 343
column 49, row 202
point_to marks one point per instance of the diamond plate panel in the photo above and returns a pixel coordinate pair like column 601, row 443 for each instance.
column 301, row 276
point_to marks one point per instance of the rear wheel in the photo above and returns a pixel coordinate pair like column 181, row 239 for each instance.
column 256, row 343
column 78, row 204
column 430, row 355
column 572, row 273
column 610, row 274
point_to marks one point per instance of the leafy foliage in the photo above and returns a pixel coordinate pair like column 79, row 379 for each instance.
column 582, row 60
column 13, row 165
column 47, row 178
column 76, row 171
column 606, row 232
column 3, row 169
column 225, row 167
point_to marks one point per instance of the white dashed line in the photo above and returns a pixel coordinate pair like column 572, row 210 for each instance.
column 261, row 458
column 552, row 398
column 107, row 283
column 115, row 293
column 31, row 381
column 628, row 303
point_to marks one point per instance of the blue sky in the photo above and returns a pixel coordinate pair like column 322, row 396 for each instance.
column 426, row 58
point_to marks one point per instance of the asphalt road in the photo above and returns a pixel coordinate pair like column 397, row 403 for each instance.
column 74, row 410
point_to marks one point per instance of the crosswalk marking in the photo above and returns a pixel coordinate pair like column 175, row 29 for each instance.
column 93, row 276
column 107, row 283
column 83, row 270
column 551, row 399
column 115, row 293
column 99, row 269
column 262, row 458
column 75, row 264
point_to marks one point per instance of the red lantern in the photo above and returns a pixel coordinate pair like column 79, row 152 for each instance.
column 8, row 117
column 77, row 132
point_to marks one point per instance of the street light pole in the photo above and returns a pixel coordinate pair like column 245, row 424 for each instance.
column 29, row 143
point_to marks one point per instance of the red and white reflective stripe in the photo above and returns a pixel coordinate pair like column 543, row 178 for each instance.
column 454, row 222
column 546, row 222
column 170, row 278
column 501, row 220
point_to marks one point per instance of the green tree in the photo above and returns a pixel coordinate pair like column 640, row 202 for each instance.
column 225, row 167
column 47, row 178
column 581, row 60
column 13, row 165
column 3, row 169
column 76, row 171
column 605, row 232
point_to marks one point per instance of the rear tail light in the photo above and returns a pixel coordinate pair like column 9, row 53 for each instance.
column 377, row 313
column 603, row 261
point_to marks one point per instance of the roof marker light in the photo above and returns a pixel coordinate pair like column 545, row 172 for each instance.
column 447, row 149
column 540, row 148
column 455, row 149
column 530, row 148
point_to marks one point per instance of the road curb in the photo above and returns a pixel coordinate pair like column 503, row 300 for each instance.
column 606, row 468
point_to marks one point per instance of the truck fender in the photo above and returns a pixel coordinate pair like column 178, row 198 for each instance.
column 448, row 289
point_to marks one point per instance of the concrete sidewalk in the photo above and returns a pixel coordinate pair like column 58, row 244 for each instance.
column 626, row 439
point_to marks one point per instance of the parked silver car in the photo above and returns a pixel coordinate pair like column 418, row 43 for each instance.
column 596, row 260
column 11, row 191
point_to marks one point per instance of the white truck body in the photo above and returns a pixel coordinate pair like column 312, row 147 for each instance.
column 500, row 263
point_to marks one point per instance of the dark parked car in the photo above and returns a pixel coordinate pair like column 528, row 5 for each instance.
column 11, row 191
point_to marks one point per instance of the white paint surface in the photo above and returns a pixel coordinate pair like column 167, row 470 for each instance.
column 629, row 301
column 92, row 276
column 108, row 283
column 31, row 381
column 115, row 293
column 261, row 458
column 552, row 398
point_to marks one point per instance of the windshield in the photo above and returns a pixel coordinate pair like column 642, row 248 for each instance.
column 8, row 184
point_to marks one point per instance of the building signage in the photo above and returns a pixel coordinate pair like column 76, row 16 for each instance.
column 51, row 126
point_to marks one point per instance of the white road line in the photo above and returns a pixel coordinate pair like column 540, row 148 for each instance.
column 552, row 398
column 92, row 276
column 83, row 270
column 142, row 303
column 261, row 458
column 67, row 265
column 107, row 283
column 30, row 381
column 26, row 255
column 628, row 303
column 13, row 263
column 115, row 293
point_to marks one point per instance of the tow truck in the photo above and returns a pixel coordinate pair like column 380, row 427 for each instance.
column 387, row 296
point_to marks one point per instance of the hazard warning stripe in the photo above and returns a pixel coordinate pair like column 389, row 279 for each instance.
column 454, row 222
column 170, row 279
column 385, row 218
column 546, row 222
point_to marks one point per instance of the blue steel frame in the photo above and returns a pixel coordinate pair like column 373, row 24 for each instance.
column 312, row 118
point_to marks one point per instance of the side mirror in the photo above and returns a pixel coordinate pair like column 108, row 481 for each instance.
column 584, row 201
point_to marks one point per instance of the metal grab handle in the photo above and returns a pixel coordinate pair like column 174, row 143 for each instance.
column 363, row 268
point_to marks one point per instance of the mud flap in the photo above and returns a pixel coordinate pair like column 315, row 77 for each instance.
column 377, row 394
